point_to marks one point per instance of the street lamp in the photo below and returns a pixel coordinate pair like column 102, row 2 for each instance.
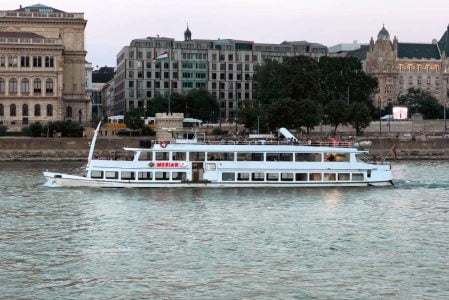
column 380, row 116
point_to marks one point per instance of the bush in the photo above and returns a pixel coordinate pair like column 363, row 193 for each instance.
column 147, row 131
column 36, row 129
column 3, row 130
column 65, row 128
column 26, row 131
column 218, row 131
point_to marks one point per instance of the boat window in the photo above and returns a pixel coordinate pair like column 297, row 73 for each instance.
column 213, row 156
column 243, row 176
column 178, row 156
column 357, row 176
column 272, row 176
column 343, row 176
column 307, row 156
column 247, row 156
column 337, row 157
column 146, row 156
column 162, row 155
column 279, row 156
column 179, row 175
column 96, row 174
column 111, row 175
column 227, row 176
column 286, row 176
column 127, row 175
column 329, row 177
column 315, row 176
column 162, row 175
column 145, row 175
column 196, row 156
column 257, row 177
column 301, row 176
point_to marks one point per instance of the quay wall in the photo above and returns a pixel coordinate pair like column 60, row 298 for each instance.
column 66, row 149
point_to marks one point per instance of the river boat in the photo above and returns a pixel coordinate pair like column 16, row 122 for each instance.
column 189, row 162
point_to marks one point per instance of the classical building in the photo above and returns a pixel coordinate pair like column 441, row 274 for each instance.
column 42, row 67
column 224, row 67
column 400, row 66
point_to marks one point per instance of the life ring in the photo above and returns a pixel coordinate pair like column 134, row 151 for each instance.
column 183, row 164
column 151, row 164
column 163, row 144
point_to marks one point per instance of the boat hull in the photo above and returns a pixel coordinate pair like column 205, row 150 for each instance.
column 64, row 180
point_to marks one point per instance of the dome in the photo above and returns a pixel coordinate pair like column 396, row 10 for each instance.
column 383, row 32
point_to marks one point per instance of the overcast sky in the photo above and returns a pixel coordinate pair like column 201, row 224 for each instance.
column 112, row 24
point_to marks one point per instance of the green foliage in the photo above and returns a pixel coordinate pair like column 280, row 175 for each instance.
column 147, row 131
column 309, row 114
column 64, row 128
column 26, row 131
column 360, row 116
column 336, row 113
column 420, row 101
column 134, row 119
column 3, row 130
column 283, row 113
column 36, row 129
column 217, row 131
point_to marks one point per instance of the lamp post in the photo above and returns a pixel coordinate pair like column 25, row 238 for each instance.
column 380, row 116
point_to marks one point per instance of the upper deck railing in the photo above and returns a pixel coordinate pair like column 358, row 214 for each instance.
column 39, row 15
column 342, row 144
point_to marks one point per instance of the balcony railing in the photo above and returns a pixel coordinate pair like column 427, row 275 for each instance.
column 30, row 41
column 58, row 15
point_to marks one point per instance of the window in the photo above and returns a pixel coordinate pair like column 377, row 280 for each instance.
column 301, row 176
column 286, row 176
column 279, row 156
column 250, row 156
column 49, row 86
column 69, row 112
column 25, row 61
column 25, row 86
column 2, row 61
column 315, row 176
column 25, row 110
column 226, row 156
column 111, row 175
column 49, row 110
column 178, row 156
column 2, row 86
column 357, row 176
column 37, row 86
column 96, row 174
column 243, row 176
column 307, row 156
column 2, row 110
column 37, row 61
column 336, row 157
column 179, row 176
column 272, row 176
column 343, row 176
column 196, row 156
column 13, row 86
column 145, row 176
column 37, row 110
column 12, row 110
column 329, row 177
column 162, row 176
column 162, row 155
column 127, row 175
column 257, row 177
column 49, row 61
column 228, row 176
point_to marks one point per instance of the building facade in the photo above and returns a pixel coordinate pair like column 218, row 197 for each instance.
column 42, row 69
column 224, row 67
column 400, row 66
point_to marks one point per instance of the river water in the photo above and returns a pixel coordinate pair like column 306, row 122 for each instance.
column 224, row 243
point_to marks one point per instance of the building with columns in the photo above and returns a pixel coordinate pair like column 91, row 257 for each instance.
column 42, row 66
column 225, row 67
column 399, row 66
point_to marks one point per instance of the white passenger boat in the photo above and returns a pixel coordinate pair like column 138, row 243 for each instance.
column 192, row 163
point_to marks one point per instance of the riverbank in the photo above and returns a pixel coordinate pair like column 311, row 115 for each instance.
column 77, row 149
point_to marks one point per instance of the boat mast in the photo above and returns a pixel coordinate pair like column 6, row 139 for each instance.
column 92, row 147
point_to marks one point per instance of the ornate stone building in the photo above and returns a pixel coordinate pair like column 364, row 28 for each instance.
column 400, row 66
column 42, row 66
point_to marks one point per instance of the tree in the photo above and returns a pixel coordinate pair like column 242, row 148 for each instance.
column 3, row 130
column 133, row 119
column 283, row 113
column 336, row 113
column 420, row 101
column 308, row 113
column 36, row 129
column 360, row 116
column 202, row 105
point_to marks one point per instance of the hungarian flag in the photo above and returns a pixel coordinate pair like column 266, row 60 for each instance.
column 162, row 56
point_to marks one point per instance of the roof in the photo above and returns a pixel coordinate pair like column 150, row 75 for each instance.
column 413, row 50
column 21, row 35
column 359, row 53
column 383, row 32
column 444, row 43
column 41, row 8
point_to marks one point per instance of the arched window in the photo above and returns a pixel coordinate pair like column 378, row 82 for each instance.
column 69, row 112
column 13, row 86
column 49, row 86
column 2, row 110
column 49, row 110
column 12, row 61
column 37, row 86
column 25, row 86
column 2, row 61
column 25, row 110
column 2, row 86
column 12, row 110
column 37, row 110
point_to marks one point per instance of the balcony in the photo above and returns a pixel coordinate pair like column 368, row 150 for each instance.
column 28, row 41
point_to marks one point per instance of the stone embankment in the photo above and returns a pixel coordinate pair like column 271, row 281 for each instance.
column 77, row 149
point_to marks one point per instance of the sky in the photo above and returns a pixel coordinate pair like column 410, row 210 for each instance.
column 112, row 24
